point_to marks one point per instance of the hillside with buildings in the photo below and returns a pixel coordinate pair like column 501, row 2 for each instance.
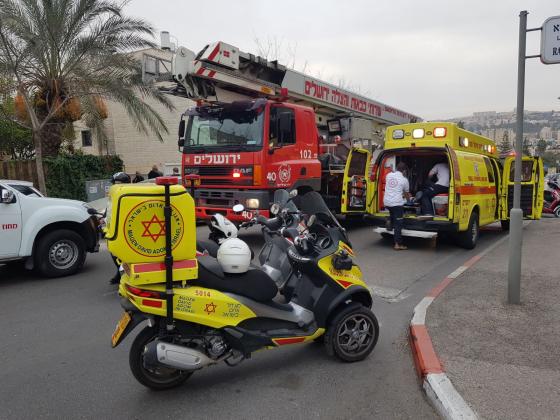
column 537, row 125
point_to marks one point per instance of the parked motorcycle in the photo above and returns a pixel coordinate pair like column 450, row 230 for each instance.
column 216, row 316
column 551, row 204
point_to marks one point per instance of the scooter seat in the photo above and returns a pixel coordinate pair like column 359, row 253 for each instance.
column 254, row 284
column 209, row 246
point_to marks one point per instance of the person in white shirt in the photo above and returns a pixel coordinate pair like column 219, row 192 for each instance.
column 396, row 194
column 431, row 189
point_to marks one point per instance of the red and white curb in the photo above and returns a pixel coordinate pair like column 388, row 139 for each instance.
column 439, row 389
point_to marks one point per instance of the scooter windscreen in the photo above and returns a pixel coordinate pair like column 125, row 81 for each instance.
column 282, row 198
column 313, row 203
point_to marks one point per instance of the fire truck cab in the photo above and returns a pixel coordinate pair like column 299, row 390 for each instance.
column 480, row 184
column 244, row 150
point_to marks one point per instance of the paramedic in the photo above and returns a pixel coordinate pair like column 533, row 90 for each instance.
column 396, row 194
column 431, row 189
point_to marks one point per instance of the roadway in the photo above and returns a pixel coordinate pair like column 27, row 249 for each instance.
column 58, row 363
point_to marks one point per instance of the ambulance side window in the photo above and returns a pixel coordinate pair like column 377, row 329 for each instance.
column 489, row 169
column 526, row 171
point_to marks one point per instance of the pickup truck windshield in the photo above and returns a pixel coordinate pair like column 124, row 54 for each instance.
column 26, row 190
column 224, row 129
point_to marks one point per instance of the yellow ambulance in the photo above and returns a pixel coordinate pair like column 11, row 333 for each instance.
column 480, row 184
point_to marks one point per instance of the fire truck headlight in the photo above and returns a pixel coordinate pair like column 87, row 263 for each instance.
column 252, row 203
column 417, row 133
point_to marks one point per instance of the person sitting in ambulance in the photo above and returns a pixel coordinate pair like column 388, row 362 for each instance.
column 441, row 172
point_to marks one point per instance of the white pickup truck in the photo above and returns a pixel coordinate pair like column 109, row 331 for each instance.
column 51, row 235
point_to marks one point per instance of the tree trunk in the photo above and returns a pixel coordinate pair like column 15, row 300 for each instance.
column 51, row 139
column 39, row 161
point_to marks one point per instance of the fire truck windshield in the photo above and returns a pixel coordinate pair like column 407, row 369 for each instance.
column 224, row 128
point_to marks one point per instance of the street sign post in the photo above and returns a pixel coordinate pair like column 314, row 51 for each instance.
column 550, row 54
column 550, row 41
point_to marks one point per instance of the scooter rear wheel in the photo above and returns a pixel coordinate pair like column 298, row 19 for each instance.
column 157, row 379
column 352, row 334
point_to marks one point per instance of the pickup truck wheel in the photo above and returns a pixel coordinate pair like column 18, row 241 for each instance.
column 60, row 253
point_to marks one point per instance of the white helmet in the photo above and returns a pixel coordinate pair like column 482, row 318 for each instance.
column 234, row 256
column 219, row 223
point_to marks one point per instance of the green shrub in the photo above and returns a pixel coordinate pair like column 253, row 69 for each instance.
column 66, row 174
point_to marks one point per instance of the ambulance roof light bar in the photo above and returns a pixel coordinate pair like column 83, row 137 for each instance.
column 440, row 132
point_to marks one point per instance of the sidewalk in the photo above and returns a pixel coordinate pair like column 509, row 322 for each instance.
column 505, row 359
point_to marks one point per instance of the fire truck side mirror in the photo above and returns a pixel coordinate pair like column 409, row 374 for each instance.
column 181, row 141
column 271, row 148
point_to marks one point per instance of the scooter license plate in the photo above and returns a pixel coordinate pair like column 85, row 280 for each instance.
column 119, row 329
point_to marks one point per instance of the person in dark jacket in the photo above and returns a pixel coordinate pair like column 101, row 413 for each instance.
column 137, row 178
column 154, row 173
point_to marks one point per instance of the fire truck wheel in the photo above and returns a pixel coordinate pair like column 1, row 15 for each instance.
column 557, row 211
column 505, row 225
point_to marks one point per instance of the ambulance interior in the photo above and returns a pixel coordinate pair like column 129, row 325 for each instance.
column 419, row 164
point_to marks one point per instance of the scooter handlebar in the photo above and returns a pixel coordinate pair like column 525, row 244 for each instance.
column 272, row 224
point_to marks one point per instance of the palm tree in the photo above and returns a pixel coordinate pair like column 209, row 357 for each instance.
column 63, row 57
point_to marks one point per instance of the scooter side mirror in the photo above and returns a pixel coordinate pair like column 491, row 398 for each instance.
column 275, row 208
column 238, row 208
column 311, row 221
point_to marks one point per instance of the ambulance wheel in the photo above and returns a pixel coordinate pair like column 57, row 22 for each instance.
column 60, row 253
column 505, row 225
column 469, row 238
column 352, row 334
column 159, row 378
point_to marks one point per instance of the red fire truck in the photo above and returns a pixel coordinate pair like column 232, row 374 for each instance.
column 283, row 129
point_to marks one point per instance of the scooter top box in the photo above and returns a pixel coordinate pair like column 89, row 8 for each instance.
column 136, row 226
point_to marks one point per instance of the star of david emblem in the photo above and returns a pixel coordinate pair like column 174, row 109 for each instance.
column 210, row 308
column 157, row 231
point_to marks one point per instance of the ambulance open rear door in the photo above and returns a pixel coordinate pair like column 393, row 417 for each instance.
column 532, row 187
column 356, row 183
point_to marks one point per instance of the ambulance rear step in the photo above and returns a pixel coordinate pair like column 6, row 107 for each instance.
column 408, row 232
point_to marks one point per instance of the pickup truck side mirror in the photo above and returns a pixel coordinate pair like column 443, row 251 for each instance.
column 8, row 196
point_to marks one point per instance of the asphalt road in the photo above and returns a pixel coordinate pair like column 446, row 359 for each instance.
column 57, row 361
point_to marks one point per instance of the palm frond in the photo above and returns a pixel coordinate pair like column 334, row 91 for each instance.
column 78, row 49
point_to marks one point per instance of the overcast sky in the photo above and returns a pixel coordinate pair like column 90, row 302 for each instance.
column 433, row 58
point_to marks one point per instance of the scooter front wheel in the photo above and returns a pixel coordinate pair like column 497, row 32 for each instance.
column 159, row 378
column 353, row 333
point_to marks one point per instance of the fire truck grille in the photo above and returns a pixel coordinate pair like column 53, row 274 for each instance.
column 222, row 175
column 213, row 170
